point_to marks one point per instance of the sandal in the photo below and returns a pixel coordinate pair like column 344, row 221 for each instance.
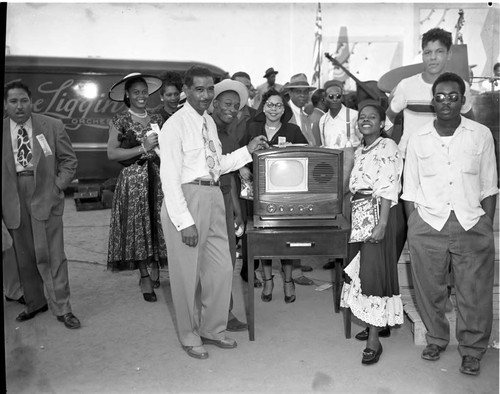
column 155, row 269
column 149, row 297
column 267, row 297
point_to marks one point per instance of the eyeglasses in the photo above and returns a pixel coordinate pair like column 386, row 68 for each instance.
column 451, row 97
column 274, row 105
column 335, row 96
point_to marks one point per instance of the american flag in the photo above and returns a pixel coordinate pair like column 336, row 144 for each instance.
column 318, row 33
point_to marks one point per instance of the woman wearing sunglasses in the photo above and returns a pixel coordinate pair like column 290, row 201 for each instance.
column 273, row 123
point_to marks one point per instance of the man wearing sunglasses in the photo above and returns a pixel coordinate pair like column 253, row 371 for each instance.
column 338, row 129
column 413, row 95
column 450, row 190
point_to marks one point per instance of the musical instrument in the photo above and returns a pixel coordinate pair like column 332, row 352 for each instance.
column 365, row 90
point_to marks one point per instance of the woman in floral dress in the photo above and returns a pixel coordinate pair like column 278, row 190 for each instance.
column 373, row 292
column 136, row 238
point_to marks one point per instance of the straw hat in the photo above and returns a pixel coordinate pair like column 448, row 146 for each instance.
column 117, row 91
column 235, row 86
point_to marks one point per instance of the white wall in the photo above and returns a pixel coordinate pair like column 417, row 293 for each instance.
column 233, row 36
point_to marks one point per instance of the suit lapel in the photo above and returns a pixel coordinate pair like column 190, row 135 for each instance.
column 8, row 154
column 38, row 126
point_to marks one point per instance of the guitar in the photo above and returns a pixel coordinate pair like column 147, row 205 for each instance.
column 369, row 89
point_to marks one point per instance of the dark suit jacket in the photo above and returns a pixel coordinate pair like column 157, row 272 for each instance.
column 238, row 127
column 289, row 130
column 53, row 173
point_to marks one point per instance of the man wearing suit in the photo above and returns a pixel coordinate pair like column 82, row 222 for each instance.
column 299, row 90
column 38, row 162
column 318, row 101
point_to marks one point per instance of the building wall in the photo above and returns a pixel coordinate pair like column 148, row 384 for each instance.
column 233, row 36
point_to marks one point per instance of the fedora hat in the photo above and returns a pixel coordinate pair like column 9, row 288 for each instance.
column 230, row 85
column 269, row 72
column 117, row 91
column 299, row 81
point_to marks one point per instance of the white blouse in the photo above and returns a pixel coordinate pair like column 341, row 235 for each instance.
column 378, row 167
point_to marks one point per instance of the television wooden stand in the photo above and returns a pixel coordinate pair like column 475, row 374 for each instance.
column 294, row 242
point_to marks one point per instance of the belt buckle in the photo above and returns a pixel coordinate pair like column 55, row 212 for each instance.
column 212, row 182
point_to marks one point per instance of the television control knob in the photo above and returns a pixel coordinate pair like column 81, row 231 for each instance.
column 310, row 208
column 290, row 208
column 301, row 208
column 282, row 209
column 271, row 208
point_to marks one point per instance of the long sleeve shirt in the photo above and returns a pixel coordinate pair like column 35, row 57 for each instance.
column 182, row 155
column 441, row 176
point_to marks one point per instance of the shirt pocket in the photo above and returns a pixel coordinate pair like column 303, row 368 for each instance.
column 192, row 150
column 470, row 162
column 427, row 166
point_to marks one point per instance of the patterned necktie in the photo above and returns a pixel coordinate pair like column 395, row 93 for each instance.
column 210, row 154
column 24, row 154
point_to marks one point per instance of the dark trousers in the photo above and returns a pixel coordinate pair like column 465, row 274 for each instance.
column 471, row 255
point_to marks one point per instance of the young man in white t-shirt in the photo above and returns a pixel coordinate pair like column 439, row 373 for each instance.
column 413, row 95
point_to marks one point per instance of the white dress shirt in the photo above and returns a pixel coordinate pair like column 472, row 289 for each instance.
column 441, row 177
column 14, row 128
column 182, row 155
column 333, row 131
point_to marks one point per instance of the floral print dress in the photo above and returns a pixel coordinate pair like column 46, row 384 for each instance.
column 135, row 233
column 373, row 292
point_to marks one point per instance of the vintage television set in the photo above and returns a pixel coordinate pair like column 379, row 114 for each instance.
column 298, row 186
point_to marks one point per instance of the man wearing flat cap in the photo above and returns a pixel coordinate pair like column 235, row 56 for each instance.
column 338, row 130
column 270, row 75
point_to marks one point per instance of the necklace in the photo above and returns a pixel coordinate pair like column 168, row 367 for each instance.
column 272, row 127
column 141, row 116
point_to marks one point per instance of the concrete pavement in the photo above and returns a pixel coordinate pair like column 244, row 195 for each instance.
column 127, row 345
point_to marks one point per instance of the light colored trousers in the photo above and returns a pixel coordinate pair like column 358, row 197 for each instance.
column 471, row 255
column 200, row 276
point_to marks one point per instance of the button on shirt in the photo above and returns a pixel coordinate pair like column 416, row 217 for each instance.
column 14, row 129
column 440, row 178
column 182, row 156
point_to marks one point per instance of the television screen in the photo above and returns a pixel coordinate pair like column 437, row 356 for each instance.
column 286, row 174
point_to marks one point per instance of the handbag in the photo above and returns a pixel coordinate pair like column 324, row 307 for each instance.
column 364, row 217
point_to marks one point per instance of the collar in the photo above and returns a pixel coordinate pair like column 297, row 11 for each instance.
column 294, row 107
column 429, row 128
column 340, row 115
column 28, row 125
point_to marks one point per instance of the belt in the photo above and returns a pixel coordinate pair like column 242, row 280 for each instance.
column 203, row 182
column 26, row 173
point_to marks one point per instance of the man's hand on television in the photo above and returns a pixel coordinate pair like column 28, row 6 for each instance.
column 190, row 235
column 246, row 174
column 259, row 142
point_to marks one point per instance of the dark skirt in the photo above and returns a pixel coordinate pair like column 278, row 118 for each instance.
column 136, row 234
column 373, row 292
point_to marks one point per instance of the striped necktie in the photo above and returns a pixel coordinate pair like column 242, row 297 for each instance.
column 24, row 154
column 210, row 154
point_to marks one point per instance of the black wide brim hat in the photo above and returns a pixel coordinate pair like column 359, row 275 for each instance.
column 117, row 91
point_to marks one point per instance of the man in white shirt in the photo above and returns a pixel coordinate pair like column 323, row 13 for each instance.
column 413, row 95
column 450, row 188
column 193, row 216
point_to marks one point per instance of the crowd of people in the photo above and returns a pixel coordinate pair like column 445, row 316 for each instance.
column 179, row 192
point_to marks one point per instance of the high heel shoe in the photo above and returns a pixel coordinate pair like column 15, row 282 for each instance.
column 156, row 282
column 267, row 297
column 291, row 298
column 149, row 297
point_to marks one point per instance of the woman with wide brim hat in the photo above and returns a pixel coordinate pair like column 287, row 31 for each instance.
column 136, row 238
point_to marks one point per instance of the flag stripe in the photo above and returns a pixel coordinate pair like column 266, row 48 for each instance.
column 318, row 35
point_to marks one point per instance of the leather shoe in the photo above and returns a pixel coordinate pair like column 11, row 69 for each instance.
column 306, row 268
column 23, row 316
column 69, row 320
column 235, row 325
column 383, row 333
column 470, row 365
column 304, row 281
column 20, row 300
column 432, row 351
column 371, row 356
column 225, row 343
column 198, row 352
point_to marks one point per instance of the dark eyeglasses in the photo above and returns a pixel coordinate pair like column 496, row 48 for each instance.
column 274, row 105
column 335, row 96
column 451, row 97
